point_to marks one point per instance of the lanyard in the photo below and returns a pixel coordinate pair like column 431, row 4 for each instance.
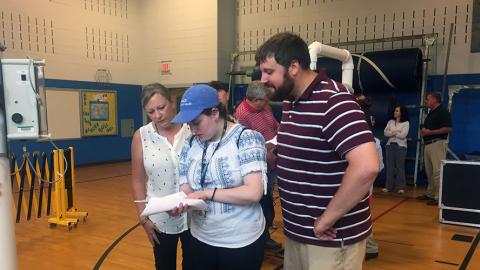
column 204, row 160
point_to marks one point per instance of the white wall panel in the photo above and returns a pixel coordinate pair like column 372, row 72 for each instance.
column 333, row 21
column 76, row 37
column 185, row 33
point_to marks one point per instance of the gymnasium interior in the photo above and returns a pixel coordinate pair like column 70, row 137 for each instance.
column 65, row 191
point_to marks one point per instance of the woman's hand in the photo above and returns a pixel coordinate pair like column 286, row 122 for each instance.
column 150, row 230
column 201, row 194
column 181, row 208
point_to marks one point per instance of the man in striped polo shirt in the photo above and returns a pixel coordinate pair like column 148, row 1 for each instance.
column 326, row 163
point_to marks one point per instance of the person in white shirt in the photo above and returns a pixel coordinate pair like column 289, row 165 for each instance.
column 396, row 150
column 224, row 164
column 155, row 150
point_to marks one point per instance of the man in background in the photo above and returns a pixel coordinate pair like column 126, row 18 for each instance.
column 435, row 130
column 365, row 104
column 255, row 113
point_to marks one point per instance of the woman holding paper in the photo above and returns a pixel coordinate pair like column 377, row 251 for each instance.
column 155, row 150
column 224, row 164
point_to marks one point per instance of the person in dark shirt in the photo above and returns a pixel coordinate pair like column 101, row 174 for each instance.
column 435, row 130
column 223, row 97
column 365, row 104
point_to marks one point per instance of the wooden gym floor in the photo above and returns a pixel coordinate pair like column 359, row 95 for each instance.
column 407, row 231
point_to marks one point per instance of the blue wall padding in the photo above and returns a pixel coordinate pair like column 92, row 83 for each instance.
column 465, row 132
column 402, row 67
column 465, row 113
column 239, row 92
column 98, row 149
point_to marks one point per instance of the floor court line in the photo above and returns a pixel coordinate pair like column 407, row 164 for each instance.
column 390, row 209
column 470, row 253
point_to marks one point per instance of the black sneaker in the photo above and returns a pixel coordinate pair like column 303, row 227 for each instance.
column 432, row 202
column 424, row 198
column 369, row 256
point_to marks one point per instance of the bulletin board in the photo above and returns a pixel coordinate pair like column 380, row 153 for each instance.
column 99, row 113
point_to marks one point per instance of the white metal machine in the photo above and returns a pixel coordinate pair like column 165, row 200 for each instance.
column 23, row 116
column 24, row 96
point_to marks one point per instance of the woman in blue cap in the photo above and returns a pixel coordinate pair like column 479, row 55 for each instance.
column 224, row 164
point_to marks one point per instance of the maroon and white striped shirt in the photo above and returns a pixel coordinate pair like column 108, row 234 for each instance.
column 316, row 132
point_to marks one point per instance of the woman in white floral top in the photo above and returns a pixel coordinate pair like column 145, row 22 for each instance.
column 155, row 157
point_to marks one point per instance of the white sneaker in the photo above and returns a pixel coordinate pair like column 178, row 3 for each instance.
column 385, row 190
column 401, row 191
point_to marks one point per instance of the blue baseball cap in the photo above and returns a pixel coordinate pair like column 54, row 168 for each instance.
column 196, row 99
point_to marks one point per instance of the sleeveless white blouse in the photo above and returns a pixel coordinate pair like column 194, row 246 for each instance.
column 160, row 160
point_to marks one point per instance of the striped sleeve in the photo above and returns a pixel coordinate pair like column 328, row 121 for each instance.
column 344, row 125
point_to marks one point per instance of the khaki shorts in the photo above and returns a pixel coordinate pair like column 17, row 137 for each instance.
column 299, row 256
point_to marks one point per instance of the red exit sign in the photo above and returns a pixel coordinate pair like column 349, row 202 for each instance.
column 165, row 67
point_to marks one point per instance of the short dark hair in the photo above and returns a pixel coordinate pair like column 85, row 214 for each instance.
column 218, row 85
column 221, row 110
column 284, row 47
column 437, row 96
column 154, row 88
column 403, row 113
column 364, row 101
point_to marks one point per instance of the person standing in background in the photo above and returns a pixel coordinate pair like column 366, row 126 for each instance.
column 223, row 97
column 396, row 150
column 435, row 130
column 255, row 113
column 155, row 150
column 365, row 103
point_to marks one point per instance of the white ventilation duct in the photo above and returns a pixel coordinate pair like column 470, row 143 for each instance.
column 318, row 49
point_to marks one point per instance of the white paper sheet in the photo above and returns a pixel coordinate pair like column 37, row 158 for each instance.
column 272, row 141
column 163, row 204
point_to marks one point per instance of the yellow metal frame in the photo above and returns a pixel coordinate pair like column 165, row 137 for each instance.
column 63, row 215
column 73, row 212
column 59, row 194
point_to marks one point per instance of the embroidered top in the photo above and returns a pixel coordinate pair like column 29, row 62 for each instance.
column 223, row 224
column 160, row 160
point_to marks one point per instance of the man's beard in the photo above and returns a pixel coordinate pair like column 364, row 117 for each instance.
column 283, row 91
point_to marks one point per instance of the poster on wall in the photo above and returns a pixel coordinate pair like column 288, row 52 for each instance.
column 99, row 113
